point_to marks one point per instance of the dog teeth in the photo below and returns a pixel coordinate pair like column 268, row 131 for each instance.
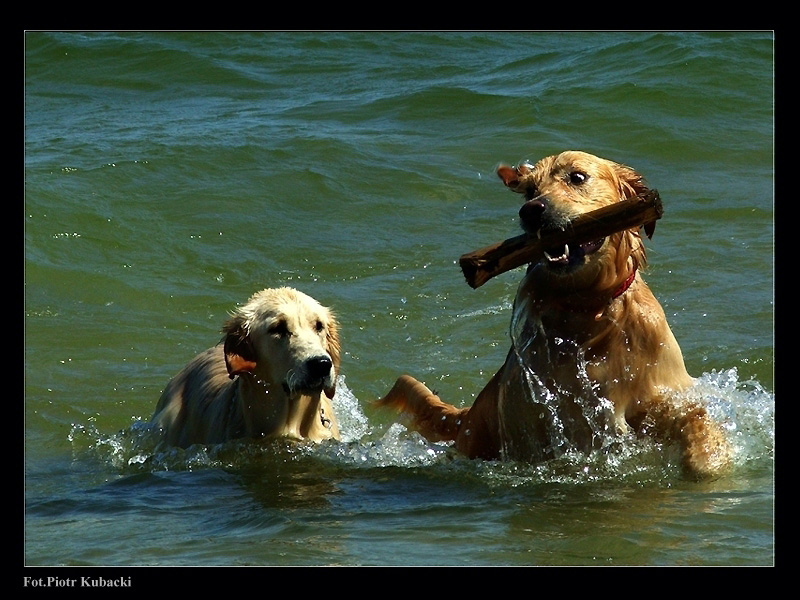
column 564, row 256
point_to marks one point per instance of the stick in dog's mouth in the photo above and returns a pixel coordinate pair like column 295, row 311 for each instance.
column 570, row 254
column 585, row 233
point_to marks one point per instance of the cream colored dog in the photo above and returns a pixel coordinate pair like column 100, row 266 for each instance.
column 273, row 376
column 586, row 327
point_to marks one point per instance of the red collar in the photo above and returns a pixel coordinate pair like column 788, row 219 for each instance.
column 625, row 285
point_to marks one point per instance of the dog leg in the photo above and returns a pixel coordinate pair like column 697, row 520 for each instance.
column 433, row 419
column 706, row 452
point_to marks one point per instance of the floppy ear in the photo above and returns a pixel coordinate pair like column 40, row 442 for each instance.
column 239, row 354
column 512, row 176
column 632, row 184
column 335, row 350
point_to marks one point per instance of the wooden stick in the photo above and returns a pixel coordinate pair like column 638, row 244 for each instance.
column 643, row 210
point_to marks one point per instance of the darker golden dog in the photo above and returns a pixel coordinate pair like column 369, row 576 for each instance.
column 591, row 348
column 273, row 376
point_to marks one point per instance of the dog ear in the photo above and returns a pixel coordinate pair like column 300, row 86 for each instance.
column 633, row 184
column 335, row 350
column 239, row 354
column 512, row 176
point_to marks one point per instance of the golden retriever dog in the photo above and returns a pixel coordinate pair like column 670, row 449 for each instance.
column 592, row 352
column 273, row 375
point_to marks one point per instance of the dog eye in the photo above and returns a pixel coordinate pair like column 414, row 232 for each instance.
column 577, row 178
column 279, row 329
column 319, row 327
column 531, row 193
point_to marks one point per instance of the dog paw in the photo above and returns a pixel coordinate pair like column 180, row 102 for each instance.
column 708, row 456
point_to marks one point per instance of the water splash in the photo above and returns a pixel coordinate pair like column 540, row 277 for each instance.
column 139, row 447
column 745, row 407
column 746, row 410
column 562, row 411
column 353, row 424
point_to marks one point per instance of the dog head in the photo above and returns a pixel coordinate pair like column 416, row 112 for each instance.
column 559, row 188
column 287, row 338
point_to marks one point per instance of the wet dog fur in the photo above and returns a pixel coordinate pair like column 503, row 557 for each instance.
column 273, row 375
column 593, row 296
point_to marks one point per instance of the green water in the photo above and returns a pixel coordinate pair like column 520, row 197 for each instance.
column 170, row 175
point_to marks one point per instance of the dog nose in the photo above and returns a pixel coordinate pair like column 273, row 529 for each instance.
column 531, row 214
column 319, row 366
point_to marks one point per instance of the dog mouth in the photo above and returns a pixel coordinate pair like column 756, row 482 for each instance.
column 536, row 219
column 570, row 255
column 294, row 388
column 315, row 374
